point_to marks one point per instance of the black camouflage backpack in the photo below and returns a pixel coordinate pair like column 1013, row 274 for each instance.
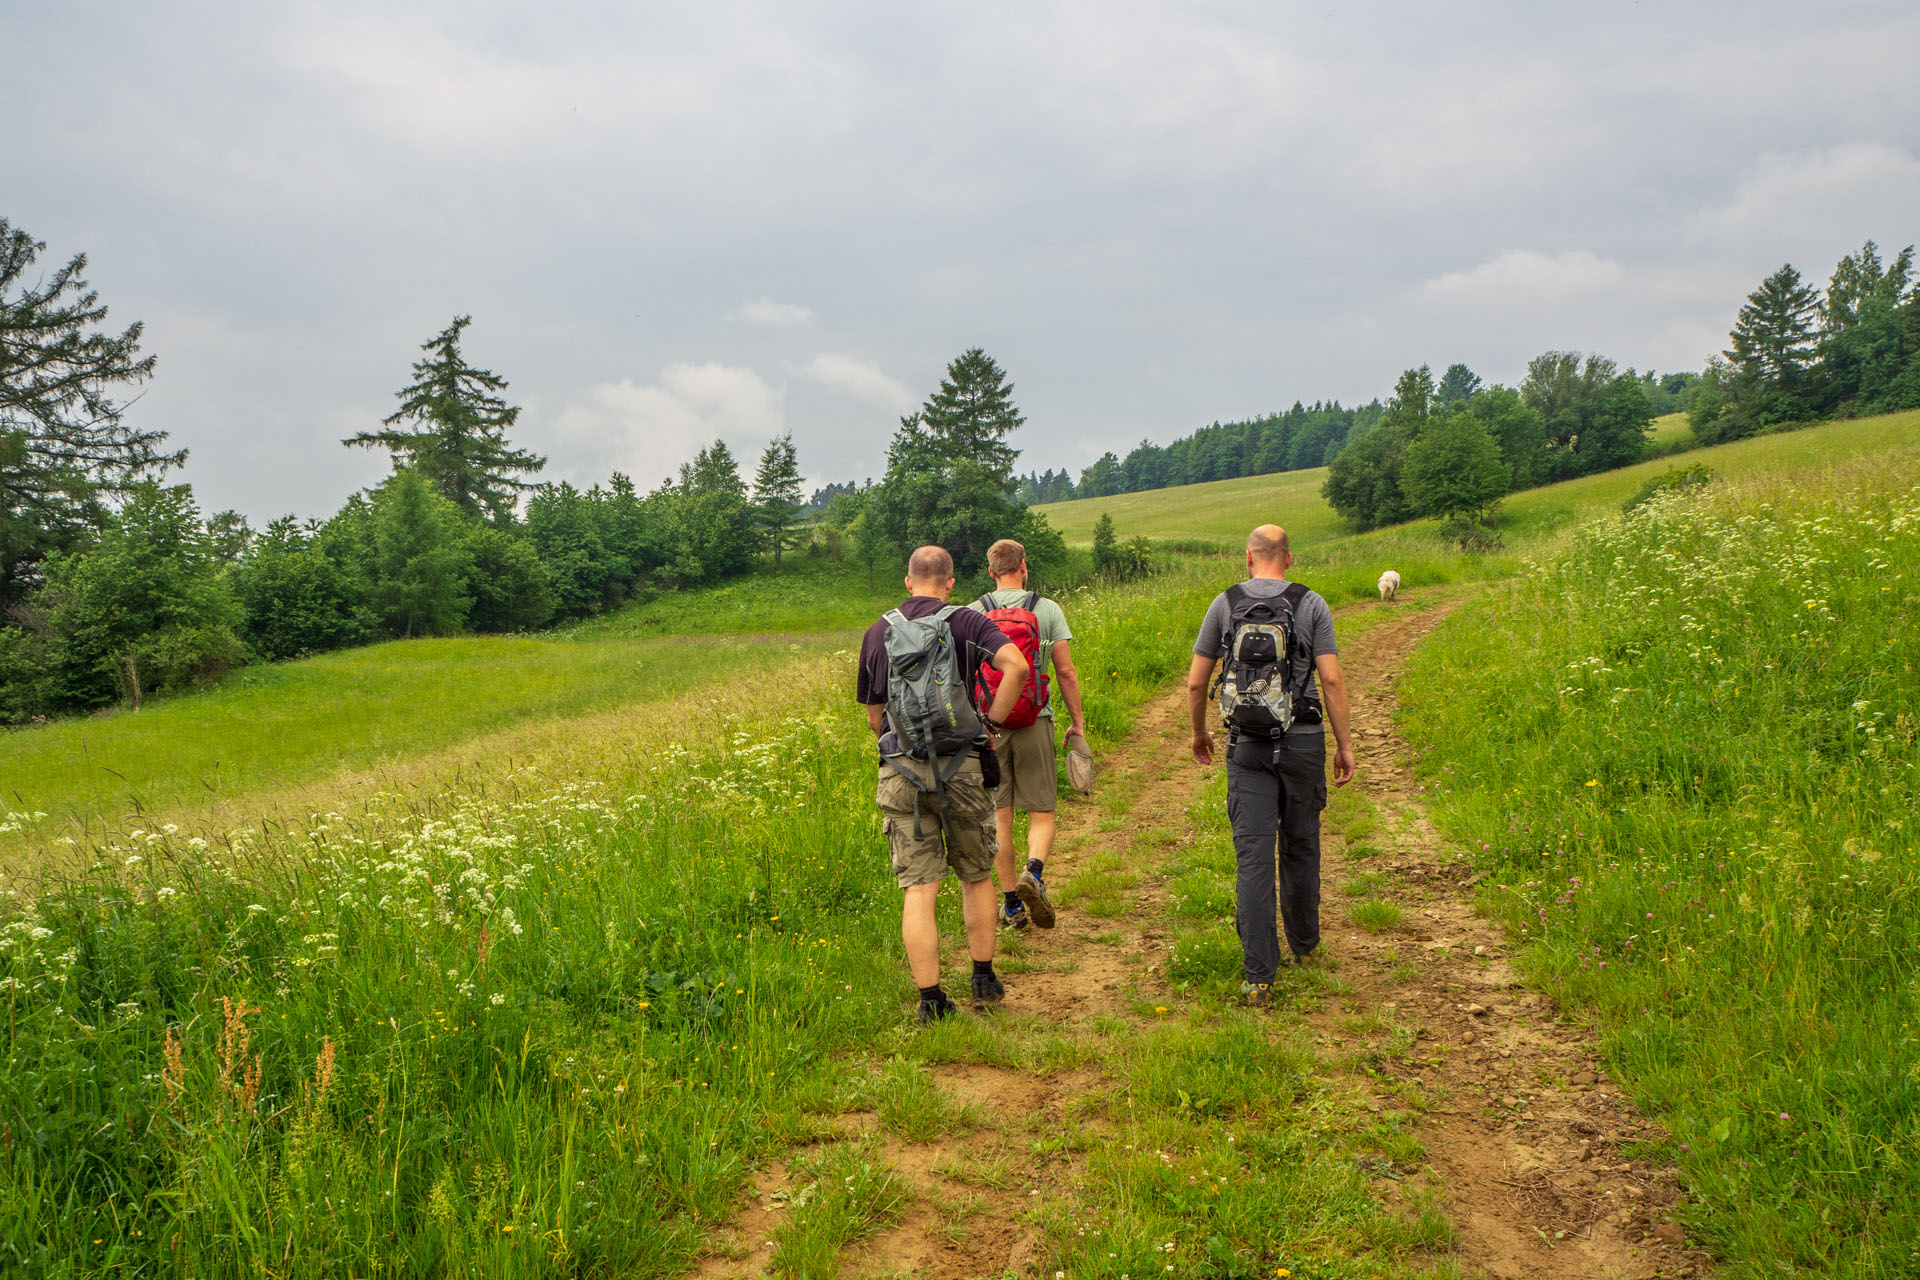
column 1256, row 687
column 928, row 708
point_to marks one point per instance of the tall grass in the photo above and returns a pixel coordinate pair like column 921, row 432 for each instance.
column 539, row 1029
column 1687, row 749
column 272, row 728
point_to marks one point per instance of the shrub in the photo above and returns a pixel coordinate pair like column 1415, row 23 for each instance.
column 1470, row 535
column 1673, row 480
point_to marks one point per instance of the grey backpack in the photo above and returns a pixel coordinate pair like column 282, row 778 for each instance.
column 1256, row 687
column 928, row 707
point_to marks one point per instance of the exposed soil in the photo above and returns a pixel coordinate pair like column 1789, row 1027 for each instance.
column 1522, row 1130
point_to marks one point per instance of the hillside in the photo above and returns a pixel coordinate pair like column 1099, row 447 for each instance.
column 1220, row 512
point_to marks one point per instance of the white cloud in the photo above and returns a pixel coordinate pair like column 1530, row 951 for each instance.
column 648, row 431
column 1498, row 315
column 861, row 379
column 765, row 311
column 1521, row 277
column 1811, row 207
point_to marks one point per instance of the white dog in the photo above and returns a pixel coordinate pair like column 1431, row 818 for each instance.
column 1389, row 585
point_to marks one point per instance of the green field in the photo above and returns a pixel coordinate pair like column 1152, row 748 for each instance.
column 273, row 732
column 1685, row 752
column 1221, row 513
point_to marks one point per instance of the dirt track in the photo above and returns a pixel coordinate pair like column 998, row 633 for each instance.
column 1523, row 1133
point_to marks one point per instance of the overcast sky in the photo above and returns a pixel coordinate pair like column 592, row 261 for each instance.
column 671, row 222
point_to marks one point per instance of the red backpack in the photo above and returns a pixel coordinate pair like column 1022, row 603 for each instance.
column 1020, row 625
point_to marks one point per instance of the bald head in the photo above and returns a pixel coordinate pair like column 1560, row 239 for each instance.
column 1268, row 545
column 929, row 565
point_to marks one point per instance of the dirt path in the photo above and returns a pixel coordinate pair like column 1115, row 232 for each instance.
column 1522, row 1127
column 1523, row 1135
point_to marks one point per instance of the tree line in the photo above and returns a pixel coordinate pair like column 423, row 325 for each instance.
column 1799, row 354
column 1795, row 355
column 115, row 585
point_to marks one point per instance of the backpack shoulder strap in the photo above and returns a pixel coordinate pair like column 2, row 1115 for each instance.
column 1033, row 598
column 986, row 603
column 1294, row 594
column 1235, row 594
column 894, row 618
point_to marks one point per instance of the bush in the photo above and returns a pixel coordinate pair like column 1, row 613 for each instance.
column 1673, row 480
column 1470, row 535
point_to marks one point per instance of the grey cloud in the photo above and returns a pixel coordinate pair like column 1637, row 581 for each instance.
column 1152, row 218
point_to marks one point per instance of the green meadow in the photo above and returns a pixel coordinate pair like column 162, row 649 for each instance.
column 1685, row 751
column 270, row 730
column 553, row 940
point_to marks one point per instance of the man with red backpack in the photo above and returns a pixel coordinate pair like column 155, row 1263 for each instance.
column 1028, row 778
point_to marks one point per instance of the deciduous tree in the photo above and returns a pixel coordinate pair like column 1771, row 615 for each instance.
column 1454, row 468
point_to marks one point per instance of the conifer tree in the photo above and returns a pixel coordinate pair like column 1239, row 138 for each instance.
column 950, row 469
column 452, row 427
column 65, row 443
column 776, row 494
column 1771, row 349
column 1773, row 337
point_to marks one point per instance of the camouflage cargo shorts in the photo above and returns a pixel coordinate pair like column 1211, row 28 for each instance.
column 968, row 847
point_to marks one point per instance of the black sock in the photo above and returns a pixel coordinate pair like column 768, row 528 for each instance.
column 1036, row 867
column 982, row 966
column 933, row 995
column 1013, row 900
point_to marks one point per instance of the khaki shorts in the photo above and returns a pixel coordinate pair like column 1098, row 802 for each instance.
column 924, row 858
column 1027, row 777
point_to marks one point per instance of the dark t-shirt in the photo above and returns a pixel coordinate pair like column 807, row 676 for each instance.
column 977, row 638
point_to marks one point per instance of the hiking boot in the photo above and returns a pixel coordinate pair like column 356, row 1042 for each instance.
column 988, row 989
column 1034, row 894
column 1257, row 995
column 1015, row 916
column 933, row 1010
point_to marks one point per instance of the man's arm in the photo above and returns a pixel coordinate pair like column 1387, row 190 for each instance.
column 1333, row 687
column 1069, row 677
column 876, row 713
column 1198, row 676
column 1014, row 670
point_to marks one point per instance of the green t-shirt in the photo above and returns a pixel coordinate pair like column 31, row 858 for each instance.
column 1053, row 626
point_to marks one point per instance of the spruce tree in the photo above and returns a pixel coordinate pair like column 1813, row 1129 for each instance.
column 1773, row 336
column 1456, row 384
column 950, row 469
column 65, row 443
column 452, row 427
column 776, row 494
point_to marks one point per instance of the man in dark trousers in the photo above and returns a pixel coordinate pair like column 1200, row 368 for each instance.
column 1276, row 785
column 929, row 831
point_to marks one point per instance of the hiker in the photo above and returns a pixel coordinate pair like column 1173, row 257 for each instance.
column 1029, row 778
column 1273, row 636
column 917, row 667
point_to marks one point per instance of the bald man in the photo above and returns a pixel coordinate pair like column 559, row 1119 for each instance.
column 924, row 842
column 1276, row 786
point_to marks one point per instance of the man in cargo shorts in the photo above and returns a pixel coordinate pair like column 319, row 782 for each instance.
column 1276, row 787
column 923, row 843
column 1029, row 777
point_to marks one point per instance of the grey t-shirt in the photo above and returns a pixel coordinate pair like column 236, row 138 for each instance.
column 1312, row 622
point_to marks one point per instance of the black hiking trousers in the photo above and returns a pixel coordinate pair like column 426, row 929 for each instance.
column 1276, row 789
